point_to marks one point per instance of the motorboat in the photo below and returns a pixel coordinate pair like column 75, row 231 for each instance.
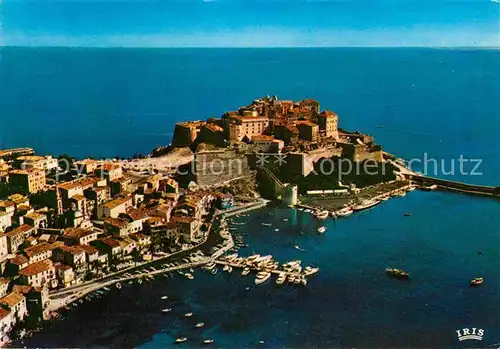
column 476, row 281
column 322, row 215
column 407, row 214
column 245, row 271
column 262, row 277
column 303, row 280
column 266, row 224
column 321, row 229
column 166, row 310
column 208, row 341
column 310, row 270
column 297, row 247
column 189, row 276
column 188, row 314
column 397, row 273
column 429, row 187
column 164, row 297
column 118, row 285
column 281, row 278
column 277, row 229
column 199, row 324
column 180, row 340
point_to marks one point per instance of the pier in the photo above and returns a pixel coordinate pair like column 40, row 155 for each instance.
column 460, row 187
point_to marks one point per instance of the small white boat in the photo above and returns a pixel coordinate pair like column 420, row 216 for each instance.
column 199, row 324
column 245, row 271
column 118, row 285
column 266, row 224
column 303, row 281
column 299, row 248
column 277, row 229
column 310, row 270
column 164, row 297
column 322, row 215
column 321, row 229
column 281, row 278
column 189, row 276
column 180, row 340
column 188, row 314
column 107, row 289
column 166, row 310
column 208, row 341
column 262, row 277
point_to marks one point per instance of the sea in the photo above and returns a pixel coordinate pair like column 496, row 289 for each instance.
column 439, row 105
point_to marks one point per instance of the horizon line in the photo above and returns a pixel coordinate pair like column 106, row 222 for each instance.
column 239, row 47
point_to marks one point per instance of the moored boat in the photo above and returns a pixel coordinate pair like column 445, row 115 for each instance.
column 245, row 271
column 262, row 277
column 310, row 270
column 322, row 215
column 321, row 229
column 281, row 278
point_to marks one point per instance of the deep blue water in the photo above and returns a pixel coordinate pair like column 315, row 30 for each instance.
column 350, row 303
column 104, row 103
column 109, row 102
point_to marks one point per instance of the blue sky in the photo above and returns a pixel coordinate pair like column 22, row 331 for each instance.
column 249, row 23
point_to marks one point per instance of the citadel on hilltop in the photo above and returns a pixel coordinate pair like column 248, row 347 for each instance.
column 268, row 125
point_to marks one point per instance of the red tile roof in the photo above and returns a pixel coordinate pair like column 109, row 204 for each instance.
column 36, row 268
column 12, row 299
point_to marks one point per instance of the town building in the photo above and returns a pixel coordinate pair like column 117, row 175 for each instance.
column 27, row 181
column 45, row 163
column 189, row 228
column 37, row 220
column 79, row 236
column 328, row 123
column 17, row 236
column 39, row 252
column 109, row 246
column 4, row 286
column 71, row 255
column 110, row 171
column 65, row 274
column 308, row 130
column 114, row 207
column 86, row 166
column 38, row 274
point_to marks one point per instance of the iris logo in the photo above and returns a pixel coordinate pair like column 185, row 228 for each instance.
column 470, row 333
